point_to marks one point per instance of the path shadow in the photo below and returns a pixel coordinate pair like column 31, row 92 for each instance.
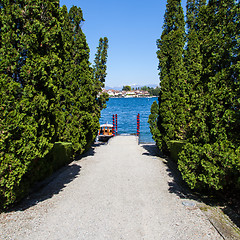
column 90, row 151
column 211, row 199
column 54, row 184
column 232, row 214
column 49, row 187
column 176, row 185
column 151, row 149
column 180, row 188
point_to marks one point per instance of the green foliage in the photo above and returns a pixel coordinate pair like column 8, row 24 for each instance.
column 196, row 125
column 153, row 120
column 152, row 91
column 126, row 88
column 144, row 88
column 47, row 92
column 100, row 61
column 60, row 155
column 27, row 122
column 214, row 121
column 99, row 71
column 175, row 149
column 214, row 166
column 77, row 118
column 203, row 111
column 173, row 94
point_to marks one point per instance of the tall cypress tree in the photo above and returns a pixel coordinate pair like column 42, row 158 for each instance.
column 172, row 99
column 217, row 48
column 65, row 93
column 99, row 68
column 213, row 157
column 48, row 90
column 42, row 43
column 78, row 98
column 28, row 69
column 12, row 121
column 193, row 62
column 99, row 71
column 235, row 68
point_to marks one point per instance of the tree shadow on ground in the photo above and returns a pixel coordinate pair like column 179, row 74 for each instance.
column 90, row 151
column 176, row 185
column 54, row 184
column 151, row 149
column 210, row 198
column 49, row 187
column 180, row 188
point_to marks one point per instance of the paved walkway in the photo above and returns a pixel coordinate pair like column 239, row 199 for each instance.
column 119, row 191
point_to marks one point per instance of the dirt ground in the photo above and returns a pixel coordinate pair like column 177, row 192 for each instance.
column 119, row 190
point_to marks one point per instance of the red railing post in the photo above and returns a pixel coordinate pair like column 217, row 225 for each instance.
column 138, row 124
column 116, row 121
column 113, row 125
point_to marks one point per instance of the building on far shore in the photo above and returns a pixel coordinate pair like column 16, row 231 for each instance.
column 126, row 94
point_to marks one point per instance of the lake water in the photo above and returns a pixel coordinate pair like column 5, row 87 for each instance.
column 127, row 110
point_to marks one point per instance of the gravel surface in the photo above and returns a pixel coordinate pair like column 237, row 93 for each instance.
column 120, row 190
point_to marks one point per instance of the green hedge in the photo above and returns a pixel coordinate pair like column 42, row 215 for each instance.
column 61, row 154
column 210, row 166
column 17, row 178
column 175, row 148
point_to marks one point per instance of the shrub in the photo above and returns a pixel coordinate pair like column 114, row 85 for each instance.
column 210, row 166
column 153, row 123
column 61, row 154
column 17, row 178
column 175, row 149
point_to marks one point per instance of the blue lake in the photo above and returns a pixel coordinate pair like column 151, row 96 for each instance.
column 127, row 110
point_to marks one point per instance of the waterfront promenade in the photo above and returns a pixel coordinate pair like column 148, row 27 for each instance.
column 119, row 190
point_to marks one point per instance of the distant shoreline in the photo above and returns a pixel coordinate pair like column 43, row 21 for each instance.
column 130, row 93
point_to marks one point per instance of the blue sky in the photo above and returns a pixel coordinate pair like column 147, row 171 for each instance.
column 132, row 28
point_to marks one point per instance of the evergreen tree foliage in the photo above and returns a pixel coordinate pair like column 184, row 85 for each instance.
column 212, row 157
column 77, row 98
column 191, row 13
column 100, row 61
column 10, row 119
column 210, row 102
column 28, row 66
column 153, row 121
column 126, row 88
column 172, row 103
column 152, row 91
column 99, row 71
column 48, row 92
column 193, row 62
column 90, row 113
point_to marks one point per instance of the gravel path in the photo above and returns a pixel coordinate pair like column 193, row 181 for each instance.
column 119, row 191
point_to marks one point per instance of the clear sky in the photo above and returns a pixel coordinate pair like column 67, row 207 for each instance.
column 132, row 28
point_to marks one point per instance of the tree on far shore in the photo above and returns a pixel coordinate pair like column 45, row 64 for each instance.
column 126, row 88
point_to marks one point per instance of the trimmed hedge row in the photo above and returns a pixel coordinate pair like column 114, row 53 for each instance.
column 214, row 166
column 175, row 148
column 18, row 180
